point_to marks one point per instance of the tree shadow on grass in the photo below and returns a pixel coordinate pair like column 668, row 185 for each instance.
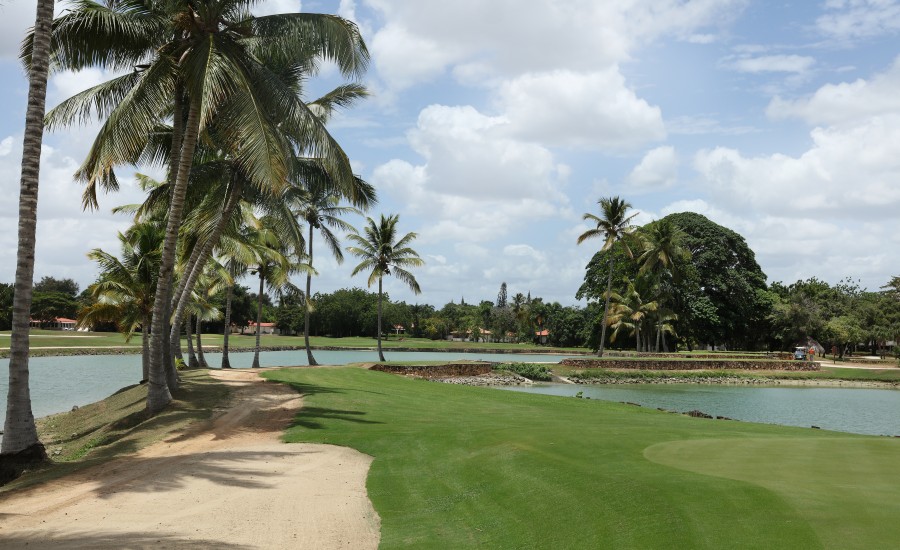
column 309, row 417
column 94, row 539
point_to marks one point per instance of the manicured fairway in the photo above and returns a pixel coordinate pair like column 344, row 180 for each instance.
column 462, row 467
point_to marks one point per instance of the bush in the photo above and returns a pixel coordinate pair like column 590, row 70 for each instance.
column 528, row 370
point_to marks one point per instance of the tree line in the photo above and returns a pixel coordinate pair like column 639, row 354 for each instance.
column 684, row 281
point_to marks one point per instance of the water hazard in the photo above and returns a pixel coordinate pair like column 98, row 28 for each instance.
column 59, row 383
column 856, row 410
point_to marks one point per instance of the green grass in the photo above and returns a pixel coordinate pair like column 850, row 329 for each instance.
column 464, row 467
column 81, row 340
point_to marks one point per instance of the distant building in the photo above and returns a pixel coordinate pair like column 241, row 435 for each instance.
column 264, row 328
column 541, row 336
column 58, row 323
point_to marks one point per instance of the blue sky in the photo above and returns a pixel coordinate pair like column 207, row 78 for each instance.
column 493, row 126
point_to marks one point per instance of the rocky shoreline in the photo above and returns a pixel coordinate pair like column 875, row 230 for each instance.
column 731, row 381
column 489, row 379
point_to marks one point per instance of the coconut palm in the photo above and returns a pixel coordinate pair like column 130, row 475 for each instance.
column 19, row 432
column 629, row 311
column 277, row 257
column 613, row 226
column 318, row 203
column 126, row 287
column 662, row 250
column 383, row 254
column 200, row 63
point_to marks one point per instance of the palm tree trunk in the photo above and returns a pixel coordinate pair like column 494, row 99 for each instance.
column 258, row 320
column 606, row 308
column 380, row 353
column 228, row 294
column 20, row 433
column 189, row 329
column 200, row 357
column 172, row 378
column 145, row 349
column 158, row 394
column 309, row 355
column 175, row 345
column 201, row 254
column 637, row 339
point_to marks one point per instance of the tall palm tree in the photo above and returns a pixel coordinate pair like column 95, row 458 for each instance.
column 383, row 254
column 201, row 63
column 276, row 259
column 613, row 226
column 662, row 249
column 319, row 205
column 19, row 431
column 125, row 289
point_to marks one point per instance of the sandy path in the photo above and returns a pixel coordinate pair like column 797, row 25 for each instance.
column 230, row 483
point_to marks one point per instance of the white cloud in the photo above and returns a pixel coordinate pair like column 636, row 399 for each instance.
column 424, row 39
column 773, row 64
column 274, row 7
column 847, row 172
column 846, row 102
column 658, row 169
column 858, row 19
column 585, row 110
column 476, row 184
column 65, row 233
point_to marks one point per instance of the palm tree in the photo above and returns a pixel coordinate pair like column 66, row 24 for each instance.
column 662, row 249
column 613, row 226
column 126, row 287
column 318, row 202
column 199, row 62
column 383, row 254
column 629, row 312
column 19, row 431
column 276, row 259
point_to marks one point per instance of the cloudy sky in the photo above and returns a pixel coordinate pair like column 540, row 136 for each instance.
column 493, row 126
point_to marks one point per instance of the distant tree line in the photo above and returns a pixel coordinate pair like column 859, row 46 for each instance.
column 687, row 281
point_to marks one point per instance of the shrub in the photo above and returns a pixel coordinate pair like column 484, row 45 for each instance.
column 528, row 370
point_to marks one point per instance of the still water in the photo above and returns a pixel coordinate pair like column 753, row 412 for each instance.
column 864, row 411
column 59, row 383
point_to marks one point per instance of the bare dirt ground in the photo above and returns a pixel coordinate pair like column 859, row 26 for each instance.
column 230, row 483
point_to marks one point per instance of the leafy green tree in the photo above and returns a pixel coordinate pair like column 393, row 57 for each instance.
column 613, row 225
column 6, row 304
column 383, row 254
column 723, row 269
column 52, row 284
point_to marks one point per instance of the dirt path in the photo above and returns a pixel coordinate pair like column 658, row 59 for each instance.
column 230, row 483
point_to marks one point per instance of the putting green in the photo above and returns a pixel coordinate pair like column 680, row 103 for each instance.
column 825, row 480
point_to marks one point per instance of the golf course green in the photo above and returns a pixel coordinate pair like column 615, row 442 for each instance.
column 459, row 466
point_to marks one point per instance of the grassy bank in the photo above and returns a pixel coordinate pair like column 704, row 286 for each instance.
column 72, row 342
column 118, row 425
column 463, row 467
column 886, row 376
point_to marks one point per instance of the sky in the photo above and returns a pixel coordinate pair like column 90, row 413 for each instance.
column 492, row 127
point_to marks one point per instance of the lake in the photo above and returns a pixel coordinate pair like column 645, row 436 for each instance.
column 59, row 383
column 856, row 410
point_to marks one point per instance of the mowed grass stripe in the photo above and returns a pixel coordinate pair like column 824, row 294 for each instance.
column 459, row 467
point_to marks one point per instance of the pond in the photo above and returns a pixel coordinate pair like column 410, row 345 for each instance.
column 59, row 383
column 856, row 410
